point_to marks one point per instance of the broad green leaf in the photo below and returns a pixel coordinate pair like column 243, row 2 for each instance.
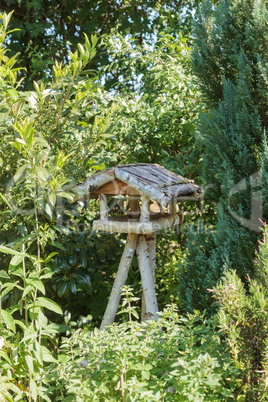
column 68, row 196
column 47, row 356
column 16, row 260
column 20, row 172
column 4, row 275
column 49, row 210
column 50, row 256
column 40, row 156
column 33, row 389
column 6, row 201
column 57, row 244
column 13, row 388
column 38, row 352
column 41, row 141
column 49, row 304
column 52, row 199
column 146, row 375
column 8, row 250
column 6, row 288
column 29, row 337
column 42, row 320
column 13, row 94
column 42, row 173
column 9, row 320
column 27, row 290
column 63, row 229
column 5, row 356
column 29, row 362
column 36, row 283
column 58, row 327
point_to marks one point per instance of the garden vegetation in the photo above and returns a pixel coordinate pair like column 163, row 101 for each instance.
column 182, row 84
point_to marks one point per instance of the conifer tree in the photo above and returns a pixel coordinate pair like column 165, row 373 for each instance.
column 230, row 61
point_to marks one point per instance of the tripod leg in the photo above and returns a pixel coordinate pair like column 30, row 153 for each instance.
column 120, row 281
column 147, row 278
column 151, row 245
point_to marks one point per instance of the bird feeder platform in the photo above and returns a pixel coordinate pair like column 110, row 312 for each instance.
column 134, row 188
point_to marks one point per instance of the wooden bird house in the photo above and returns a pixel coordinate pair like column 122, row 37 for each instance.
column 134, row 188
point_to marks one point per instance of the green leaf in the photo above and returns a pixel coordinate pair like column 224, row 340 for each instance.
column 5, row 356
column 58, row 327
column 36, row 283
column 16, row 260
column 47, row 356
column 17, row 271
column 63, row 229
column 38, row 352
column 6, row 201
column 7, row 287
column 41, row 141
column 50, row 256
column 146, row 375
column 8, row 250
column 68, row 196
column 29, row 362
column 42, row 320
column 42, row 173
column 57, row 244
column 26, row 291
column 4, row 275
column 40, row 156
column 20, row 172
column 49, row 304
column 9, row 320
column 33, row 389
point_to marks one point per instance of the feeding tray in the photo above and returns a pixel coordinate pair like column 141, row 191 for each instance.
column 140, row 185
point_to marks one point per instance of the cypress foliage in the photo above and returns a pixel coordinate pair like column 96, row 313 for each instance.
column 230, row 61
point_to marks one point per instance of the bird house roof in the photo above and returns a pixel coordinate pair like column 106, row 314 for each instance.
column 152, row 180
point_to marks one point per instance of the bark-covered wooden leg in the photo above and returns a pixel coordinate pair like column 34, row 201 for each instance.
column 120, row 281
column 151, row 245
column 147, row 279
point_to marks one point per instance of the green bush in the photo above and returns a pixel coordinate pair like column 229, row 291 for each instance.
column 243, row 318
column 174, row 359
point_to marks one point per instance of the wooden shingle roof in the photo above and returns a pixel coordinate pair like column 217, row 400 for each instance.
column 152, row 180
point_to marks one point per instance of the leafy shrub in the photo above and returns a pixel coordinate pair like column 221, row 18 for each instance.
column 244, row 320
column 174, row 359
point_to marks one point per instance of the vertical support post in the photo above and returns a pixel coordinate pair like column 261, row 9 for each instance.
column 103, row 207
column 173, row 207
column 147, row 279
column 120, row 281
column 151, row 245
column 145, row 209
column 134, row 205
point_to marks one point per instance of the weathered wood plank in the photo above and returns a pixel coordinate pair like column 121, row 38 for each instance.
column 181, row 190
column 117, row 187
column 146, row 189
column 128, row 226
column 145, row 175
column 97, row 180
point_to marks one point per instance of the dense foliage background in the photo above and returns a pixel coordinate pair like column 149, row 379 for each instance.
column 182, row 84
